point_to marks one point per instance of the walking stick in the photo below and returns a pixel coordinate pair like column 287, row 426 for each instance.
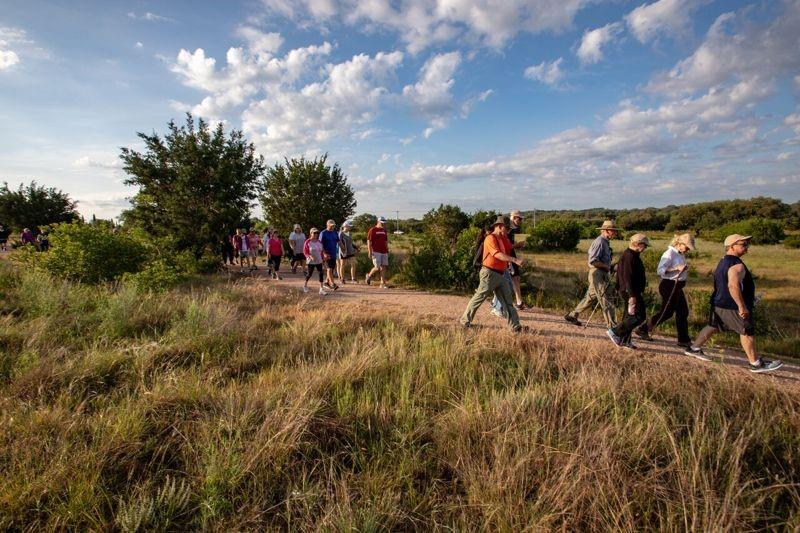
column 586, row 323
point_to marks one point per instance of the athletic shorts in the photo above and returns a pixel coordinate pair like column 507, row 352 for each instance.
column 244, row 253
column 298, row 257
column 330, row 263
column 253, row 253
column 379, row 259
column 729, row 320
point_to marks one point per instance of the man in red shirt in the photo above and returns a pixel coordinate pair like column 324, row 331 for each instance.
column 496, row 257
column 378, row 248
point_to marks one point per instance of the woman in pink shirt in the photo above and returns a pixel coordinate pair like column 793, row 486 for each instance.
column 313, row 252
column 275, row 250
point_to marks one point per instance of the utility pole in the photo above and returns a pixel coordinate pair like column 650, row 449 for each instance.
column 397, row 217
column 534, row 217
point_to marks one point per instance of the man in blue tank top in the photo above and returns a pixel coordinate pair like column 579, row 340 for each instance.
column 732, row 304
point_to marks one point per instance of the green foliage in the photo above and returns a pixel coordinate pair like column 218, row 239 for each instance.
column 158, row 275
column 195, row 185
column 306, row 193
column 650, row 218
column 554, row 234
column 792, row 241
column 445, row 223
column 483, row 219
column 33, row 206
column 709, row 216
column 763, row 231
column 435, row 264
column 364, row 222
column 89, row 254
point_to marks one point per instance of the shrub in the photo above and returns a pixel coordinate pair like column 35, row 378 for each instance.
column 764, row 231
column 89, row 253
column 792, row 241
column 434, row 264
column 158, row 275
column 554, row 235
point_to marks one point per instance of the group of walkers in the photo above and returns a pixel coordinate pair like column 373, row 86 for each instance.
column 38, row 239
column 331, row 253
column 732, row 300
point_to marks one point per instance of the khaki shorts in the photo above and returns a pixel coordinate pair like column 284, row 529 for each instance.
column 380, row 260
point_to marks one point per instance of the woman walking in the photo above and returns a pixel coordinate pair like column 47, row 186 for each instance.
column 673, row 271
column 313, row 252
column 347, row 253
column 274, row 247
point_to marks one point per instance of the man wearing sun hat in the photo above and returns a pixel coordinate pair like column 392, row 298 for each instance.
column 600, row 254
column 631, row 282
column 732, row 304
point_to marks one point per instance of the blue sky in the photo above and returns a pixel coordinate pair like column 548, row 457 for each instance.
column 483, row 103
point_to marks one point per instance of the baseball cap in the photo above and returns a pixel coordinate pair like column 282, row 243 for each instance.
column 348, row 223
column 381, row 219
column 515, row 213
column 297, row 226
column 314, row 230
column 730, row 240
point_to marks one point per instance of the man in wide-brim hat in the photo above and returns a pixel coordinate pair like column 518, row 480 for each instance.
column 600, row 255
column 495, row 259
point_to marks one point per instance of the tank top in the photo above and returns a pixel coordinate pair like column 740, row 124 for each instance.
column 721, row 296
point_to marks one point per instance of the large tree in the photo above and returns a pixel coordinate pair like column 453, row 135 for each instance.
column 195, row 184
column 446, row 222
column 32, row 206
column 307, row 193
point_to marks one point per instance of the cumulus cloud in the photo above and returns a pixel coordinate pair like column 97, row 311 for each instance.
column 664, row 17
column 108, row 163
column 12, row 38
column 8, row 58
column 547, row 73
column 593, row 41
column 424, row 23
column 150, row 17
column 431, row 96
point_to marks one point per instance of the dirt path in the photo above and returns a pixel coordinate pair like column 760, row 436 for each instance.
column 541, row 322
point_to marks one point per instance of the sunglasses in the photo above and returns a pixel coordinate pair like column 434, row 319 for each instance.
column 744, row 243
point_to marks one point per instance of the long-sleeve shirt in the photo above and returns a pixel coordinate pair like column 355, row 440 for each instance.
column 631, row 278
column 313, row 252
column 671, row 260
column 600, row 250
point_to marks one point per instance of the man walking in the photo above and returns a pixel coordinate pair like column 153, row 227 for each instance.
column 513, row 275
column 330, row 251
column 600, row 254
column 732, row 304
column 496, row 257
column 631, row 282
column 297, row 239
column 378, row 248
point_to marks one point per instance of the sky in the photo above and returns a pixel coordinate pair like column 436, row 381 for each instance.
column 486, row 104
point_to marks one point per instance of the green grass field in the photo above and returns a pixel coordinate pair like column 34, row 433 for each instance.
column 236, row 406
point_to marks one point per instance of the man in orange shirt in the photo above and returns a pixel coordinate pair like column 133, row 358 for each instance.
column 496, row 256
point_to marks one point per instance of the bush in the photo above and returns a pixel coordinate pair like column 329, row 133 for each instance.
column 157, row 276
column 89, row 254
column 554, row 235
column 792, row 241
column 434, row 264
column 764, row 231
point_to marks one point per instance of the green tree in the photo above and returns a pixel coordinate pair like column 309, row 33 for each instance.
column 195, row 184
column 364, row 221
column 446, row 222
column 34, row 206
column 307, row 193
column 483, row 219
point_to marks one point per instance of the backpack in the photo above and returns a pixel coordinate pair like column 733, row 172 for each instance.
column 477, row 259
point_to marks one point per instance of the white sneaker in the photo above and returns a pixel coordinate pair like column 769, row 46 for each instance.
column 496, row 313
column 305, row 288
column 384, row 286
column 323, row 292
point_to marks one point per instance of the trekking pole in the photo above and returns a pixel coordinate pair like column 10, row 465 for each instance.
column 667, row 303
column 586, row 323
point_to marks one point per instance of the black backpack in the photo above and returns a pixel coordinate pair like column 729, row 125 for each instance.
column 477, row 259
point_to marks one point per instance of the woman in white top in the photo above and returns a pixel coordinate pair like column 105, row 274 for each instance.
column 673, row 271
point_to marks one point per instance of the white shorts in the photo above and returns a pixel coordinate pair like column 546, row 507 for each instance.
column 379, row 259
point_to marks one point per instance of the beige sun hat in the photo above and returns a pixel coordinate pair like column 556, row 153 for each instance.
column 640, row 238
column 609, row 225
column 687, row 240
column 515, row 213
column 730, row 240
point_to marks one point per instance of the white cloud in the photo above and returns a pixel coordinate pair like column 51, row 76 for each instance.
column 734, row 49
column 12, row 38
column 108, row 163
column 260, row 43
column 664, row 17
column 547, row 73
column 150, row 17
column 431, row 96
column 138, row 45
column 591, row 48
column 793, row 121
column 424, row 23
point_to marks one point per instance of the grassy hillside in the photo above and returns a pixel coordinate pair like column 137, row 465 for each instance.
column 238, row 406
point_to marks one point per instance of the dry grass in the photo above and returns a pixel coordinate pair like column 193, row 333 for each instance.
column 241, row 407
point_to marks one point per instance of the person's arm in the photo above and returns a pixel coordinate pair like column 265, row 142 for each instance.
column 369, row 243
column 624, row 275
column 735, row 278
column 497, row 254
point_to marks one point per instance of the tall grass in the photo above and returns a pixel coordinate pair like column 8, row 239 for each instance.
column 241, row 407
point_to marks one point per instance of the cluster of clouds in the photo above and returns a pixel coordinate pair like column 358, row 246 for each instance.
column 292, row 102
column 10, row 40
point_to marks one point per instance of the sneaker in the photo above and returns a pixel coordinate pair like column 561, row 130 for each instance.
column 294, row 270
column 305, row 288
column 697, row 353
column 496, row 313
column 572, row 320
column 323, row 292
column 522, row 329
column 765, row 365
column 629, row 346
column 613, row 336
column 644, row 335
column 355, row 281
column 465, row 326
column 684, row 345
column 335, row 287
column 384, row 286
column 521, row 306
column 367, row 280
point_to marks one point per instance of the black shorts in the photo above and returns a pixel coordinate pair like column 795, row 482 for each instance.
column 298, row 257
column 729, row 320
column 331, row 263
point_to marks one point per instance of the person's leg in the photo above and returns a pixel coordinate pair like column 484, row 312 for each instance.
column 505, row 294
column 629, row 321
column 319, row 269
column 481, row 293
column 682, row 317
column 497, row 304
column 749, row 345
column 588, row 300
column 704, row 335
column 353, row 277
column 340, row 269
column 308, row 277
column 601, row 284
column 516, row 285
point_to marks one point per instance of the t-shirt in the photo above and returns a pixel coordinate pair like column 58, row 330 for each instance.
column 491, row 245
column 275, row 246
column 313, row 252
column 330, row 241
column 253, row 241
column 240, row 242
column 379, row 240
column 346, row 247
column 297, row 241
